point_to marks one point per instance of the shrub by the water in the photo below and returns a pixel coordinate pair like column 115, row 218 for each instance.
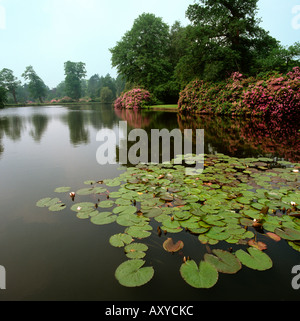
column 274, row 95
column 133, row 99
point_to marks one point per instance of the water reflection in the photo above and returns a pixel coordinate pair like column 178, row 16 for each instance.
column 247, row 138
column 39, row 123
column 235, row 137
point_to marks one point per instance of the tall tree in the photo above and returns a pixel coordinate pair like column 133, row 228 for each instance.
column 10, row 82
column 36, row 86
column 224, row 36
column 93, row 87
column 142, row 54
column 74, row 72
column 3, row 97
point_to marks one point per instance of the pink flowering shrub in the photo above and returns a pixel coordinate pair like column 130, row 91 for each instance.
column 133, row 99
column 275, row 96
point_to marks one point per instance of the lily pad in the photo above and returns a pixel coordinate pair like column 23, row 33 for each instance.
column 258, row 245
column 106, row 204
column 140, row 232
column 288, row 233
column 169, row 246
column 46, row 202
column 123, row 209
column 204, row 276
column 136, row 250
column 224, row 261
column 132, row 274
column 120, row 240
column 254, row 259
column 153, row 212
column 62, row 189
column 57, row 207
column 103, row 218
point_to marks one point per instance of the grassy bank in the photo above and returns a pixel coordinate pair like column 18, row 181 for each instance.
column 163, row 107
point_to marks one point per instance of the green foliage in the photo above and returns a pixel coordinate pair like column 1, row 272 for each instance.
column 132, row 274
column 204, row 276
column 36, row 85
column 10, row 82
column 106, row 95
column 225, row 35
column 3, row 97
column 142, row 54
column 74, row 72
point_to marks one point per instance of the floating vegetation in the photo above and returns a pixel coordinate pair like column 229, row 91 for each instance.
column 233, row 201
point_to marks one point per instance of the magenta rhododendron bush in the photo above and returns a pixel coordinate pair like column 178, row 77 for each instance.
column 133, row 99
column 276, row 96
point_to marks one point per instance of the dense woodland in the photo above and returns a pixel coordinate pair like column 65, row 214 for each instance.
column 223, row 37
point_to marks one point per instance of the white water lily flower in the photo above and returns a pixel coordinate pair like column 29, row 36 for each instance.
column 293, row 203
column 296, row 170
column 79, row 208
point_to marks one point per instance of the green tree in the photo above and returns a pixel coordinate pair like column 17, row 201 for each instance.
column 120, row 85
column 109, row 82
column 280, row 58
column 106, row 95
column 93, row 88
column 224, row 36
column 74, row 72
column 36, row 86
column 3, row 96
column 10, row 82
column 142, row 54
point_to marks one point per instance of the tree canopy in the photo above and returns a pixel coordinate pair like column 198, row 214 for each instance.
column 36, row 85
column 142, row 54
column 9, row 82
column 74, row 72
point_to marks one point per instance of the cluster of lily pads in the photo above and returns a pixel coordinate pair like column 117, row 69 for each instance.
column 233, row 200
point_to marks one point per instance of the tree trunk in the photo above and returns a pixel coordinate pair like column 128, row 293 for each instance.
column 15, row 97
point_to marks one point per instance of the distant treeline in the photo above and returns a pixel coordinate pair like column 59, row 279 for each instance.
column 223, row 37
column 73, row 88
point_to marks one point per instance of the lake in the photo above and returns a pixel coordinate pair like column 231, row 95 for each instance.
column 56, row 256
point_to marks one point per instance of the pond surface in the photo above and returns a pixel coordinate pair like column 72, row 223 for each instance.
column 56, row 256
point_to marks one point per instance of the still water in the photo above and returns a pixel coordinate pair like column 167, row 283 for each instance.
column 56, row 256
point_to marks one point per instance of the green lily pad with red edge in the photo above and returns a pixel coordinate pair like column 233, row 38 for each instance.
column 223, row 261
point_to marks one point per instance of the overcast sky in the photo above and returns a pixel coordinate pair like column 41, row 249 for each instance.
column 46, row 33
